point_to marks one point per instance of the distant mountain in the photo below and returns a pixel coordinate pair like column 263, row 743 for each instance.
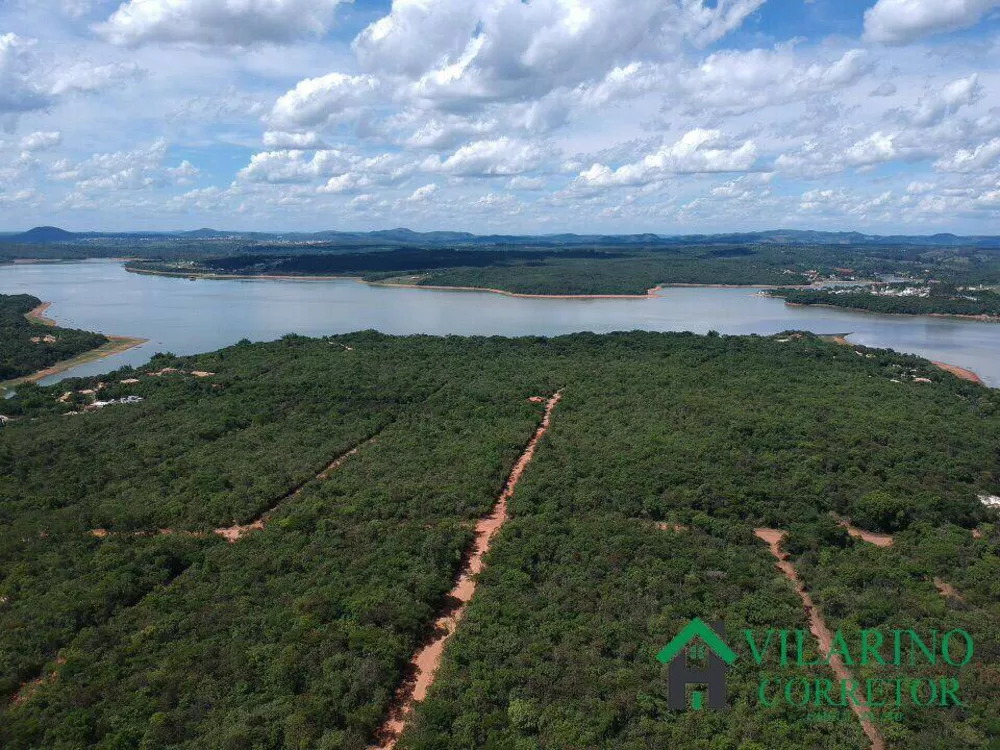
column 333, row 240
column 44, row 236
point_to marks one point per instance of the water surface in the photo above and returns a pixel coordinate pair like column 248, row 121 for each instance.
column 187, row 316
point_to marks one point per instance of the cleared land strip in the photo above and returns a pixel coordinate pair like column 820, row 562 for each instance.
column 425, row 662
column 233, row 533
column 773, row 539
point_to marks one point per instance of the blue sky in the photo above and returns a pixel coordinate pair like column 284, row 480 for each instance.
column 500, row 115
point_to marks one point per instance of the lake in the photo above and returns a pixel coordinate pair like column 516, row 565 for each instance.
column 186, row 316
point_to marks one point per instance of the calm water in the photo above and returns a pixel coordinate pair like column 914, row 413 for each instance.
column 187, row 316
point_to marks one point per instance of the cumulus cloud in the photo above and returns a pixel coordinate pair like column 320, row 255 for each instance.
column 296, row 165
column 423, row 194
column 217, row 22
column 40, row 141
column 970, row 160
column 507, row 49
column 876, row 148
column 324, row 100
column 698, row 151
column 739, row 81
column 138, row 169
column 500, row 157
column 932, row 109
column 904, row 21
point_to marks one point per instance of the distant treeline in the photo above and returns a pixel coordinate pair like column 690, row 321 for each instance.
column 27, row 347
column 405, row 259
column 985, row 303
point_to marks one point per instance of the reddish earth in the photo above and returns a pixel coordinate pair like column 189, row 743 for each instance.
column 960, row 372
column 425, row 663
column 28, row 689
column 235, row 532
column 879, row 540
column 947, row 590
column 666, row 526
column 818, row 627
column 977, row 534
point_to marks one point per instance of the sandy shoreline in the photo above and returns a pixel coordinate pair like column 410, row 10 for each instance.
column 115, row 345
column 38, row 315
column 959, row 372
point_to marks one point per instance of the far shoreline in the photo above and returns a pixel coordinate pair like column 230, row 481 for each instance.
column 652, row 292
column 863, row 311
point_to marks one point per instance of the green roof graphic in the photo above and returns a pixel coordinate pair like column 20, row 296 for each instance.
column 696, row 629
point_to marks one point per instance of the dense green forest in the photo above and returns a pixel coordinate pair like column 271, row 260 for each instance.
column 297, row 635
column 595, row 269
column 28, row 346
column 980, row 303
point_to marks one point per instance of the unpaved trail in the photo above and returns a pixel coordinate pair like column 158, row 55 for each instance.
column 235, row 532
column 773, row 539
column 879, row 540
column 425, row 662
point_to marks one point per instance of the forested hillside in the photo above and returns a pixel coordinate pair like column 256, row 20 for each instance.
column 27, row 347
column 350, row 472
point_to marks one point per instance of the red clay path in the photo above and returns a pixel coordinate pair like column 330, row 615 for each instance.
column 424, row 664
column 773, row 538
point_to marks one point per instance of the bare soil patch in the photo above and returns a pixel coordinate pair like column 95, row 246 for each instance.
column 879, row 540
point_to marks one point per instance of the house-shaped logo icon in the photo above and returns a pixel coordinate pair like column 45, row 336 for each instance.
column 719, row 656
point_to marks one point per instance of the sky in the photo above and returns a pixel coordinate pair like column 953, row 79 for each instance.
column 518, row 116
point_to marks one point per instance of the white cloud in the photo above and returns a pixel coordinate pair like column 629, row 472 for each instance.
column 423, row 194
column 740, row 81
column 83, row 78
column 138, row 169
column 971, row 160
column 904, row 21
column 20, row 88
column 499, row 157
column 932, row 109
column 277, row 139
column 218, row 22
column 491, row 50
column 526, row 183
column 876, row 148
column 40, row 141
column 296, row 165
column 324, row 100
column 886, row 88
column 698, row 151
